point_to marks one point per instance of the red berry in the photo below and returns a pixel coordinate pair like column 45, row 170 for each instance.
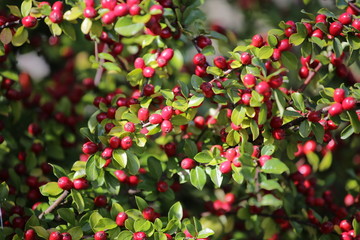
column 345, row 226
column 188, row 163
column 203, row 41
column 121, row 176
column 148, row 72
column 129, row 127
column 158, row 9
column 314, row 116
column 199, row 59
column 309, row 146
column 134, row 10
column 121, row 218
column 133, row 180
column 114, row 142
column 100, row 201
column 132, row 2
column 126, row 142
column 58, row 6
column 305, row 170
column 65, row 183
column 345, row 18
column 335, row 109
column 225, row 167
column 155, row 118
column 276, row 55
column 66, row 236
column 101, row 235
column 249, row 80
column 162, row 186
column 339, row 95
column 304, row 72
column 167, row 112
column 263, row 159
column 335, row 28
column 143, row 114
column 55, row 236
column 149, row 213
column 121, row 9
column 318, row 33
column 220, row 62
column 29, row 21
column 30, row 234
column 149, row 89
column 348, row 103
column 139, row 63
column 108, row 18
column 284, row 45
column 161, row 62
column 199, row 121
column 262, row 87
column 356, row 24
column 109, row 4
column 80, row 183
column 305, row 60
column 166, row 126
column 90, row 148
column 276, row 122
column 327, row 227
column 320, row 18
column 245, row 58
column 139, row 236
column 276, row 81
column 56, row 17
column 167, row 54
column 257, row 40
column 89, row 12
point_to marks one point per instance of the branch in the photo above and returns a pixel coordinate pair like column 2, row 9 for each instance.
column 309, row 78
column 354, row 7
column 10, row 24
column 55, row 204
column 299, row 120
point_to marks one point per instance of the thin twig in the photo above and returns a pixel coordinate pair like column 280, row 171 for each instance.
column 309, row 78
column 354, row 7
column 55, row 204
column 10, row 24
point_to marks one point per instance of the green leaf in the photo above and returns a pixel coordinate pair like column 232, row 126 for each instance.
column 238, row 115
column 325, row 163
column 347, row 132
column 296, row 39
column 4, row 191
column 124, row 235
column 120, row 157
column 94, row 219
column 337, row 47
column 190, row 148
column 6, row 36
column 141, row 203
column 204, row 233
column 272, row 40
column 198, row 177
column 268, row 150
column 14, row 10
column 41, row 232
column 216, row 176
column 265, row 52
column 196, row 100
column 20, row 37
column 175, row 211
column 142, row 225
column 203, row 157
column 270, row 185
column 133, row 163
column 289, row 60
column 107, row 56
column 271, row 200
column 125, row 27
column 58, row 171
column 214, row 71
column 275, row 166
column 76, row 233
column 155, row 168
column 354, row 120
column 280, row 101
column 134, row 77
column 196, row 81
column 314, row 160
column 298, row 101
column 356, row 226
column 319, row 131
column 254, row 129
column 78, row 200
column 92, row 172
column 104, row 224
column 67, row 215
column 68, row 29
column 26, row 7
column 305, row 129
column 50, row 189
column 10, row 74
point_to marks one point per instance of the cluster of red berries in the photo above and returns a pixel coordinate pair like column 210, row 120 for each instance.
column 341, row 102
column 219, row 207
column 131, row 180
column 66, row 184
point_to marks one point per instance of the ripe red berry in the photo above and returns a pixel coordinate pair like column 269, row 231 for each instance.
column 109, row 17
column 203, row 41
column 65, row 183
column 199, row 59
column 139, row 236
column 262, row 87
column 245, row 98
column 143, row 114
column 345, row 225
column 320, row 18
column 80, row 183
column 90, row 12
column 133, row 180
column 220, row 62
column 314, row 116
column 348, row 103
column 56, row 16
column 345, row 18
column 29, row 21
column 318, row 33
column 188, row 163
column 276, row 81
column 129, row 127
column 356, row 24
column 66, row 236
column 100, row 201
column 335, row 28
column 158, row 9
column 139, row 63
column 249, row 80
column 161, row 62
column 284, row 45
column 339, row 95
column 134, row 10
column 55, row 236
column 155, row 118
column 149, row 89
column 149, row 213
column 167, row 54
column 309, row 146
column 148, row 72
column 121, row 10
column 126, row 142
column 276, row 55
column 263, row 159
column 225, row 167
column 30, row 234
column 327, row 227
column 276, row 122
column 162, row 186
column 167, row 112
column 114, row 142
column 121, row 218
column 199, row 121
column 121, row 176
column 257, row 40
column 335, row 109
column 166, row 126
column 107, row 153
column 101, row 235
column 305, row 170
column 58, row 6
column 245, row 58
column 90, row 148
column 109, row 4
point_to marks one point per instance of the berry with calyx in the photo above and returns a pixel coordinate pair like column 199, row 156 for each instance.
column 29, row 21
column 107, row 153
column 166, row 126
column 65, row 183
column 245, row 58
column 203, row 41
column 257, row 40
column 139, row 236
column 56, row 16
column 345, row 18
column 348, row 103
column 126, row 142
column 90, row 148
column 66, row 236
column 55, row 236
column 335, row 109
column 100, row 201
column 188, row 163
column 339, row 95
column 167, row 112
column 101, row 235
column 220, row 62
column 129, row 127
column 149, row 213
column 121, row 218
column 81, row 183
column 199, row 59
column 335, row 28
column 162, row 186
